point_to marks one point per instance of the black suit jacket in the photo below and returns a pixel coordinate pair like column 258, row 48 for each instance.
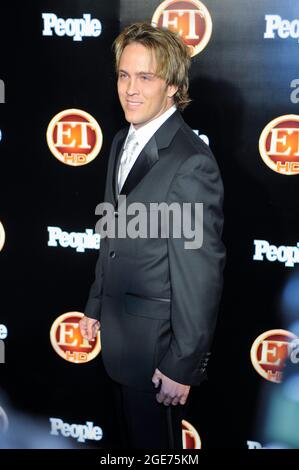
column 157, row 301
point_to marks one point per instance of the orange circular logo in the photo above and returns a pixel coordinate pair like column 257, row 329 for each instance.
column 67, row 341
column 74, row 137
column 191, row 439
column 2, row 236
column 189, row 18
column 269, row 353
column 279, row 144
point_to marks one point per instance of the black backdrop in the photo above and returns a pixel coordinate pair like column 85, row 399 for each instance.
column 239, row 83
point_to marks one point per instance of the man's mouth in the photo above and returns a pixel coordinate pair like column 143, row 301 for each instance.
column 133, row 104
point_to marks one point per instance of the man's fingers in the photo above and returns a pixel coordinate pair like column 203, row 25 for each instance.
column 183, row 400
column 160, row 397
column 171, row 392
column 89, row 330
column 164, row 398
column 82, row 326
column 165, row 401
column 89, row 327
column 168, row 400
column 95, row 329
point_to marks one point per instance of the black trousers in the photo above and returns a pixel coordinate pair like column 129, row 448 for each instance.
column 143, row 422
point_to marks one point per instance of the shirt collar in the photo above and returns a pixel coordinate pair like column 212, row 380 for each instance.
column 144, row 133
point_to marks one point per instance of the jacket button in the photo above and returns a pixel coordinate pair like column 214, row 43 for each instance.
column 112, row 254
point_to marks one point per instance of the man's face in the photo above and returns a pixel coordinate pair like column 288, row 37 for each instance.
column 143, row 95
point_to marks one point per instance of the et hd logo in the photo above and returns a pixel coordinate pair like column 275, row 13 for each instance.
column 74, row 137
column 279, row 144
column 2, row 236
column 3, row 421
column 3, row 336
column 67, row 341
column 189, row 18
column 190, row 436
column 2, row 91
column 271, row 350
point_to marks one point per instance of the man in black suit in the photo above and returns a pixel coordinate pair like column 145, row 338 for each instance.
column 154, row 299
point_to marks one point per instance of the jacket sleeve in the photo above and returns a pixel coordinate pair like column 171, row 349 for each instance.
column 94, row 302
column 196, row 274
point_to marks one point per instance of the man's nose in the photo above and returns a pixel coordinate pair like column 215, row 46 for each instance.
column 132, row 88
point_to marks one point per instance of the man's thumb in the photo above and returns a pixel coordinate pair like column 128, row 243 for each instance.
column 156, row 379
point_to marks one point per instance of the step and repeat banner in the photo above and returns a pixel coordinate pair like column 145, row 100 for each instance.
column 58, row 115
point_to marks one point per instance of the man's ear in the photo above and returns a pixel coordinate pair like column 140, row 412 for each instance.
column 171, row 91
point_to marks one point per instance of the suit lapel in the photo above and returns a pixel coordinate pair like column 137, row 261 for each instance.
column 148, row 156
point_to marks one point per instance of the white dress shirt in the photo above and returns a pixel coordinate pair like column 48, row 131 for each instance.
column 143, row 135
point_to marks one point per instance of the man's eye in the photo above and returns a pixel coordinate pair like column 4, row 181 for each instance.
column 122, row 75
column 144, row 77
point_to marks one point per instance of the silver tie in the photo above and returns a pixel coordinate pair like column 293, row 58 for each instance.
column 126, row 157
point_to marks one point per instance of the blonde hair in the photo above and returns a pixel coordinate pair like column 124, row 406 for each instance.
column 172, row 55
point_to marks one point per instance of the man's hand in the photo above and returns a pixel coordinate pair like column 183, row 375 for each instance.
column 171, row 392
column 89, row 327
